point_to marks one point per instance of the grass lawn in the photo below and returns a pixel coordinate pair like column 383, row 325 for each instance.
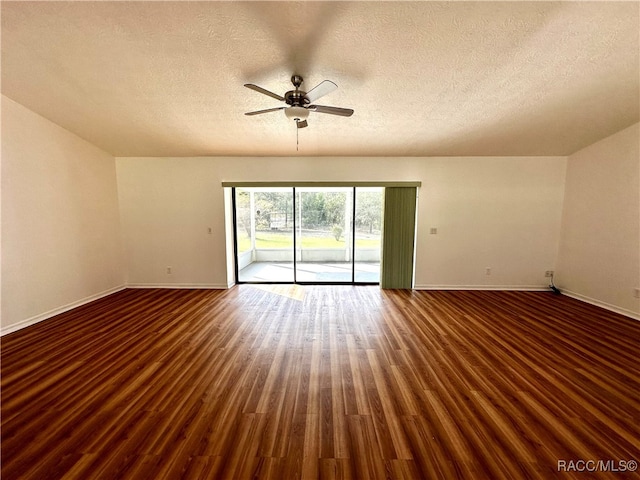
column 284, row 240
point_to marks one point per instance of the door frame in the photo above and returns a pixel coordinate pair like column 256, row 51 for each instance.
column 293, row 185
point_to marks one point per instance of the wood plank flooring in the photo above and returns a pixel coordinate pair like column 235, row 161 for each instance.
column 288, row 382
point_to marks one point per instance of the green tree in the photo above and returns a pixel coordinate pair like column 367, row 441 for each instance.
column 369, row 210
column 272, row 206
column 313, row 209
column 243, row 214
column 334, row 208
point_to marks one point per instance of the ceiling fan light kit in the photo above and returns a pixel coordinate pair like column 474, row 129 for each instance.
column 297, row 113
column 300, row 103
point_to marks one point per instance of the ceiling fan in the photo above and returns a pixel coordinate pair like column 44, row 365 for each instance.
column 300, row 103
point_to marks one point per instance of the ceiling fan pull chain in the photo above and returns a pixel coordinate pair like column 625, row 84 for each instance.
column 297, row 137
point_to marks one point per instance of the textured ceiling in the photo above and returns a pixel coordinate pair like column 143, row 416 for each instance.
column 424, row 78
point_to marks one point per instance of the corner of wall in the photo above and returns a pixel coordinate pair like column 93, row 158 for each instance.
column 61, row 241
column 599, row 255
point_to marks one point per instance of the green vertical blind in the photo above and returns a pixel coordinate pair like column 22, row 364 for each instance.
column 399, row 237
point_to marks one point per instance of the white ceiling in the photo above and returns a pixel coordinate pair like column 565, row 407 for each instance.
column 424, row 78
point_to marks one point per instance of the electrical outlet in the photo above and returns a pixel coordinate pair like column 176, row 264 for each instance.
column 433, row 231
column 168, row 270
column 487, row 271
column 548, row 273
column 636, row 292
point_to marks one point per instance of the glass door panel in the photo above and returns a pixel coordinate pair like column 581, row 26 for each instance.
column 264, row 234
column 323, row 234
column 306, row 234
column 368, row 234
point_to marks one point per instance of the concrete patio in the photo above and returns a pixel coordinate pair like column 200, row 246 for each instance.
column 311, row 272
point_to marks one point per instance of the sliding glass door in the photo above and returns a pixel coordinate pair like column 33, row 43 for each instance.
column 308, row 234
column 323, row 235
column 368, row 234
column 264, row 234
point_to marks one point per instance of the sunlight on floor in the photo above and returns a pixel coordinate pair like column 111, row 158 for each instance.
column 295, row 292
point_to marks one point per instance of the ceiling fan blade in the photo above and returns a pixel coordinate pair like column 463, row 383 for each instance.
column 320, row 90
column 264, row 91
column 343, row 112
column 258, row 112
column 302, row 123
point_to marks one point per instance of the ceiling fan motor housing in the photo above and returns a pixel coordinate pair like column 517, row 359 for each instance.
column 296, row 98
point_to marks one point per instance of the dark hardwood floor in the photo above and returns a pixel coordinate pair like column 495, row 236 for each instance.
column 289, row 382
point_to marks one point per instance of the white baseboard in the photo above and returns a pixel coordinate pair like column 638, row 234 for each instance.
column 57, row 311
column 599, row 303
column 208, row 286
column 535, row 288
column 523, row 288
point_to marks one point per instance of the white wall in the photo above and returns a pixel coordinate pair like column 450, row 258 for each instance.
column 497, row 213
column 599, row 258
column 61, row 242
column 502, row 213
